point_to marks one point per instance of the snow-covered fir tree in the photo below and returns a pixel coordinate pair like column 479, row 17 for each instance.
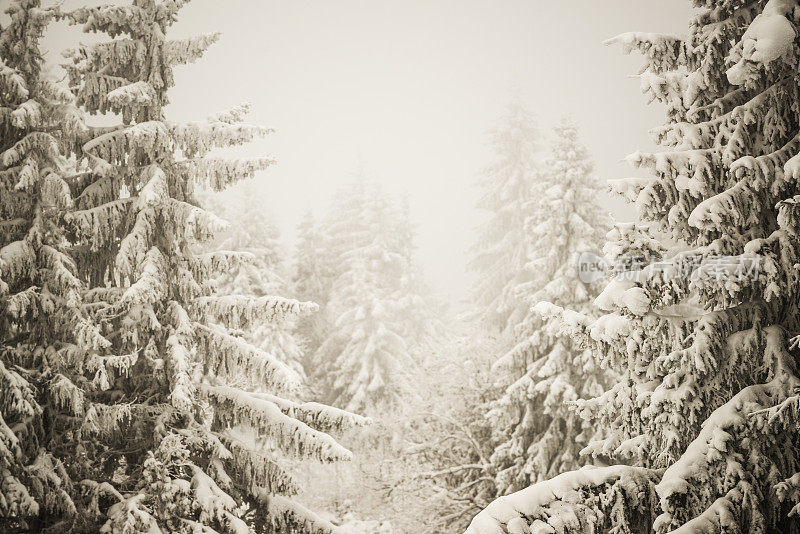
column 46, row 333
column 500, row 254
column 539, row 434
column 703, row 334
column 250, row 230
column 365, row 359
column 367, row 238
column 312, row 275
column 173, row 438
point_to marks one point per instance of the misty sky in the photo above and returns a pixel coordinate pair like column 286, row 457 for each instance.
column 409, row 88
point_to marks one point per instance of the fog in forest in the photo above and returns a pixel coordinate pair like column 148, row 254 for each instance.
column 388, row 267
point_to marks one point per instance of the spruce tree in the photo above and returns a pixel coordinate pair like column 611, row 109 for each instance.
column 702, row 333
column 178, row 440
column 500, row 254
column 539, row 434
column 48, row 339
column 364, row 360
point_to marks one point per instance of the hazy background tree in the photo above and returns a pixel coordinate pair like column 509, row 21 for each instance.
column 500, row 252
column 374, row 331
column 312, row 274
column 538, row 433
column 374, row 308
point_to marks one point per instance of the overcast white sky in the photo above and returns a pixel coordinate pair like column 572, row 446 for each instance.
column 410, row 88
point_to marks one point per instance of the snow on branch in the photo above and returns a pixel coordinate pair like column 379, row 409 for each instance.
column 574, row 324
column 732, row 207
column 16, row 261
column 319, row 416
column 100, row 225
column 96, row 88
column 17, row 502
column 198, row 138
column 27, row 175
column 18, row 396
column 209, row 264
column 789, row 489
column 179, row 357
column 42, row 142
column 288, row 516
column 239, row 311
column 55, row 191
column 131, row 515
column 13, row 83
column 20, row 305
column 234, row 407
column 734, row 109
column 200, row 224
column 768, row 37
column 663, row 51
column 113, row 20
column 151, row 285
column 137, row 93
column 218, row 173
column 258, row 471
column 115, row 52
column 215, row 503
column 569, row 501
column 27, row 115
column 226, row 354
column 133, row 247
column 62, row 269
column 97, row 489
column 150, row 137
column 629, row 188
column 67, row 396
column 182, row 51
column 707, row 461
column 233, row 115
column 9, row 443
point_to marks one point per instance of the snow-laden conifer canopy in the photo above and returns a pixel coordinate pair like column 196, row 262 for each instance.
column 330, row 268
